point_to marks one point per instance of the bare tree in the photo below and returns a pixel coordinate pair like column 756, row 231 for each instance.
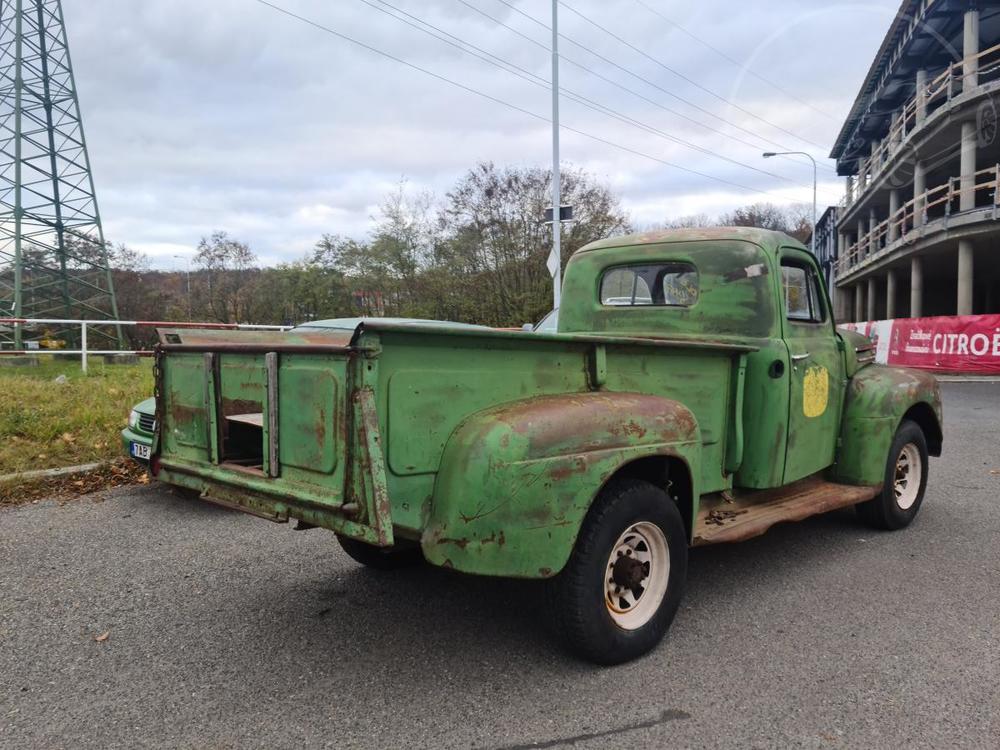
column 225, row 279
column 492, row 229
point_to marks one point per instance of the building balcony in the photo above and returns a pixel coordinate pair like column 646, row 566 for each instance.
column 952, row 89
column 924, row 218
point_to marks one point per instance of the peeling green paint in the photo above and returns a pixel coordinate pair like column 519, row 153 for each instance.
column 876, row 401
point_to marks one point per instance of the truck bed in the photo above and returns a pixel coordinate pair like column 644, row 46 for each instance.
column 346, row 430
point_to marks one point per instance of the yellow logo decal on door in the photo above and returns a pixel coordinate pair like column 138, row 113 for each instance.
column 815, row 391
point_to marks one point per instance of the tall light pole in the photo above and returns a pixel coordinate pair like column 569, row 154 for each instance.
column 769, row 154
column 555, row 259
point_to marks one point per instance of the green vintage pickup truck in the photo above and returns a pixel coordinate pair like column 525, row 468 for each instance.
column 696, row 392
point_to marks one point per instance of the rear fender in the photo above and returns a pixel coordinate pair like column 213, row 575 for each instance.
column 517, row 480
column 878, row 398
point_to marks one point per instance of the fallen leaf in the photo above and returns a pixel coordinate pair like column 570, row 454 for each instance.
column 103, row 636
column 120, row 471
column 68, row 437
column 995, row 471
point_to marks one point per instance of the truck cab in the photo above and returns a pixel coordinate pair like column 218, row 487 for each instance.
column 762, row 289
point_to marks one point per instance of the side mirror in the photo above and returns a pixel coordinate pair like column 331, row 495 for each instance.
column 527, row 328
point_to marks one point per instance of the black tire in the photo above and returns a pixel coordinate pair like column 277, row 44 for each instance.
column 884, row 511
column 403, row 554
column 579, row 602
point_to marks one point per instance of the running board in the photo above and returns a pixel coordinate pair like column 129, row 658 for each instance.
column 724, row 518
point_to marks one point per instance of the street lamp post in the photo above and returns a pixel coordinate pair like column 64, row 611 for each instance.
column 555, row 258
column 769, row 154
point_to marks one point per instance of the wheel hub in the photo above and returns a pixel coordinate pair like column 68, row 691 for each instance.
column 628, row 571
column 907, row 476
column 637, row 574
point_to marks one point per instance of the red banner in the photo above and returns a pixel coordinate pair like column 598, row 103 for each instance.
column 960, row 344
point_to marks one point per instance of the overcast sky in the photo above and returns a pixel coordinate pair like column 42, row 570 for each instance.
column 227, row 114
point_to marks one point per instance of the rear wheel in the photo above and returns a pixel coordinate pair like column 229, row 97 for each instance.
column 621, row 588
column 403, row 554
column 903, row 484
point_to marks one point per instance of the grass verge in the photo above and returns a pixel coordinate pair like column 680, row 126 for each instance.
column 48, row 424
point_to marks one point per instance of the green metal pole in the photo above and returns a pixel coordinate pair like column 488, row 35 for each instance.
column 90, row 177
column 53, row 163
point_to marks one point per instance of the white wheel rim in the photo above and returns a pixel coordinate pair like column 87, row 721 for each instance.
column 636, row 576
column 906, row 481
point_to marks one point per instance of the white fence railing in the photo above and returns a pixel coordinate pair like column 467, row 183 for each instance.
column 84, row 351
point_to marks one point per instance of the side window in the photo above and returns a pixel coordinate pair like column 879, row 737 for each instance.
column 671, row 284
column 803, row 301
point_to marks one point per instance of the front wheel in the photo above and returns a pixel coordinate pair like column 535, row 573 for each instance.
column 621, row 588
column 903, row 484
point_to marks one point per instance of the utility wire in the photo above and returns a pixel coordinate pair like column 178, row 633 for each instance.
column 724, row 55
column 638, row 77
column 510, row 105
column 683, row 77
column 596, row 73
column 544, row 83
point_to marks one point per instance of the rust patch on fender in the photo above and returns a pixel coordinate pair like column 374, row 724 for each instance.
column 635, row 429
column 561, row 473
column 565, row 471
column 496, row 538
column 460, row 543
column 595, row 421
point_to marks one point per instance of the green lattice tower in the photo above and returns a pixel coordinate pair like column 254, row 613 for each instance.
column 53, row 257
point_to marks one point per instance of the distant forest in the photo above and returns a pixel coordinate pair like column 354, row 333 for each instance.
column 477, row 255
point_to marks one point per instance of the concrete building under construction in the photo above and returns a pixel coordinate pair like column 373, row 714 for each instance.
column 918, row 231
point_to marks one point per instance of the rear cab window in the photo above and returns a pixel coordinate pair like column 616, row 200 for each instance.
column 669, row 284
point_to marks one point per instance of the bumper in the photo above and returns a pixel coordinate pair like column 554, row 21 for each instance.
column 130, row 437
column 261, row 497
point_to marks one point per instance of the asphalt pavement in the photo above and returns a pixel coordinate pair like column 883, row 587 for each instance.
column 139, row 618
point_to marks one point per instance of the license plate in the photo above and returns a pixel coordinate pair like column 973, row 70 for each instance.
column 140, row 451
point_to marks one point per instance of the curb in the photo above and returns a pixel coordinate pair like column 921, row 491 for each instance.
column 44, row 473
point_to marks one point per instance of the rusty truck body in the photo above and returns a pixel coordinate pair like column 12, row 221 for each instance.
column 696, row 392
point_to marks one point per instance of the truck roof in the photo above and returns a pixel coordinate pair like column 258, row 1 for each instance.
column 766, row 238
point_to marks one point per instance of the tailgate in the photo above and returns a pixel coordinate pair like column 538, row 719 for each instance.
column 278, row 424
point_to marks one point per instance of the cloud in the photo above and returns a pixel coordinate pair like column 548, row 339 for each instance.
column 229, row 115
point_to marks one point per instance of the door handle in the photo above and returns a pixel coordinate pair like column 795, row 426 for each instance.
column 800, row 357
